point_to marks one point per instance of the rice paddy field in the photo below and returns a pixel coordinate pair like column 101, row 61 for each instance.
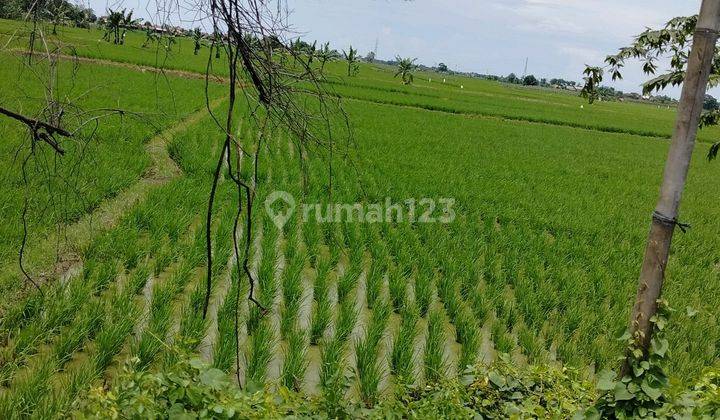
column 552, row 203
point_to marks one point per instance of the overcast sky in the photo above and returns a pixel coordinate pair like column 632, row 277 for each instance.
column 487, row 36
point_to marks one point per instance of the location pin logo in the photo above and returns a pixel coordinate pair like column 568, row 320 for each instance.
column 280, row 217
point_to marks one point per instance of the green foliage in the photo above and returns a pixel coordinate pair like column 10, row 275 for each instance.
column 191, row 388
column 502, row 390
column 530, row 80
column 435, row 364
column 402, row 357
column 650, row 46
column 405, row 69
column 593, row 77
column 351, row 56
column 641, row 391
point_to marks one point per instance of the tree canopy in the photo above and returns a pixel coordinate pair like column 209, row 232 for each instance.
column 671, row 42
column 52, row 10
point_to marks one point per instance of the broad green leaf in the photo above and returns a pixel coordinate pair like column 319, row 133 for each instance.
column 622, row 393
column 659, row 346
column 651, row 391
column 496, row 379
column 214, row 378
column 606, row 380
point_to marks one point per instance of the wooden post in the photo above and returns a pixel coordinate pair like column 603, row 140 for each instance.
column 664, row 218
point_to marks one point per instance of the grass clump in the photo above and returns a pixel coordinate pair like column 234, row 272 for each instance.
column 367, row 350
column 435, row 364
column 295, row 362
column 402, row 357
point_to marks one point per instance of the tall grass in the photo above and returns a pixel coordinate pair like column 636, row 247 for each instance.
column 224, row 349
column 423, row 292
column 397, row 286
column 367, row 351
column 374, row 283
column 260, row 352
column 322, row 307
column 435, row 363
column 402, row 357
column 295, row 362
column 292, row 294
column 333, row 381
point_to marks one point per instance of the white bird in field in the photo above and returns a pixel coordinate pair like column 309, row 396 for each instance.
column 443, row 80
column 462, row 87
column 582, row 106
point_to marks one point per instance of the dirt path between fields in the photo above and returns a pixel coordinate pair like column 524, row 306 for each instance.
column 69, row 241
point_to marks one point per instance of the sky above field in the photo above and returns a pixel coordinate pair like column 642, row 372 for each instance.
column 557, row 37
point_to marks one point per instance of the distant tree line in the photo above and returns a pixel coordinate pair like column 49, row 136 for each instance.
column 59, row 12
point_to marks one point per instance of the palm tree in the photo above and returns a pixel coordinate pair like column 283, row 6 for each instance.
column 115, row 21
column 197, row 38
column 324, row 55
column 312, row 52
column 405, row 68
column 351, row 57
column 57, row 11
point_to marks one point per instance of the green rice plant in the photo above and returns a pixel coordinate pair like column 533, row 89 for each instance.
column 423, row 292
column 312, row 237
column 292, row 294
column 379, row 321
column 322, row 308
column 335, row 253
column 435, row 364
column 333, row 382
column 480, row 304
column 530, row 344
column 268, row 287
column 348, row 281
column 374, row 283
column 224, row 349
column 262, row 345
column 445, row 287
column 103, row 274
column 503, row 341
column 152, row 339
column 397, row 286
column 291, row 246
column 295, row 362
column 61, row 397
column 34, row 394
column 368, row 370
column 121, row 316
column 320, row 321
column 346, row 319
column 89, row 321
column 68, row 303
column 328, row 234
column 137, row 279
column 192, row 324
column 254, row 317
column 468, row 334
column 321, row 283
column 367, row 351
column 20, row 314
column 402, row 357
column 163, row 257
column 27, row 392
column 453, row 303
